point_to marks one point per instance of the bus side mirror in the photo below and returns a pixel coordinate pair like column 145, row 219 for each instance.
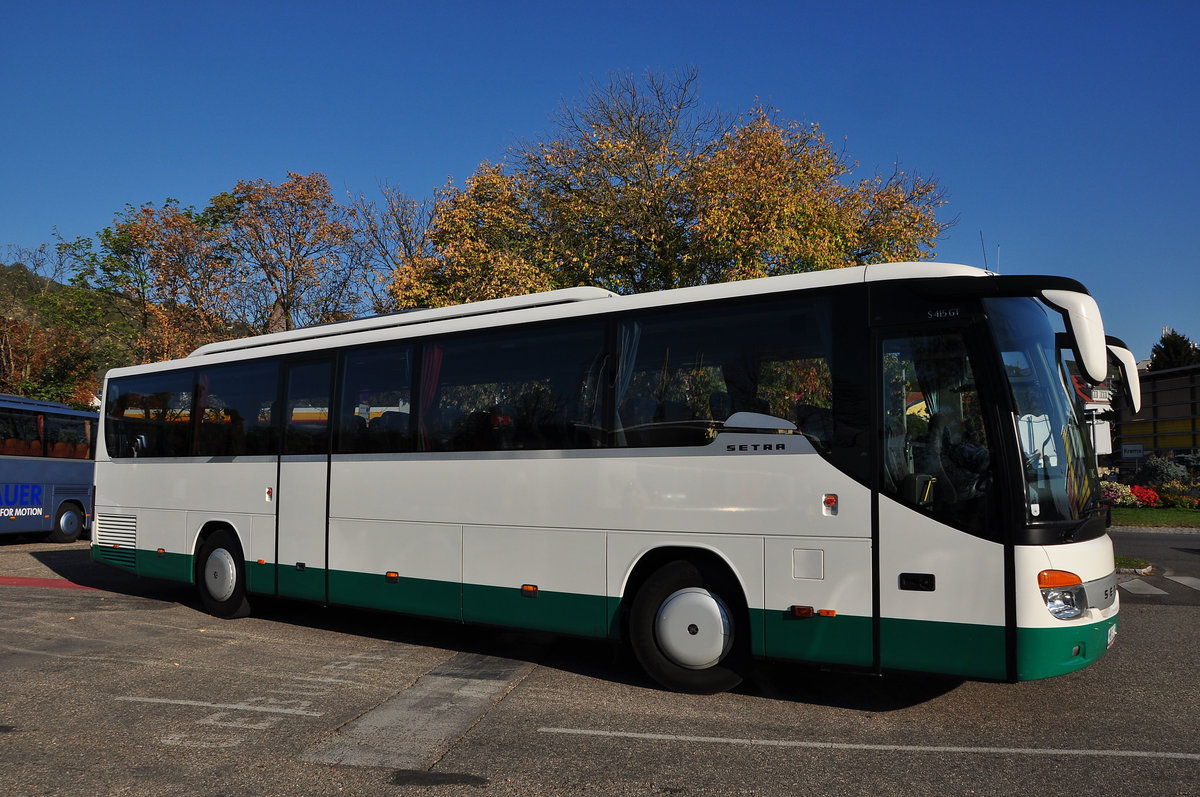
column 1131, row 383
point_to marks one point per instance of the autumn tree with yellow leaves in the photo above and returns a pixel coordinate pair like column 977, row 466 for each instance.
column 637, row 188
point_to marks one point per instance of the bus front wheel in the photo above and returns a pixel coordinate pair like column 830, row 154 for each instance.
column 684, row 629
column 222, row 576
column 68, row 525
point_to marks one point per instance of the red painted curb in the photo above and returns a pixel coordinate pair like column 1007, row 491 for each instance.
column 47, row 583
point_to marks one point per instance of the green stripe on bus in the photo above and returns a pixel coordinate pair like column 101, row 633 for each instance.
column 120, row 558
column 841, row 639
column 260, row 577
column 307, row 584
column 171, row 566
column 976, row 651
column 1046, row 652
column 560, row 612
column 420, row 596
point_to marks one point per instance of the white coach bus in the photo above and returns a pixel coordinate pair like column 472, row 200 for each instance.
column 878, row 467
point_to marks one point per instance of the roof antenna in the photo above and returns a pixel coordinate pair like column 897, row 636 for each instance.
column 984, row 248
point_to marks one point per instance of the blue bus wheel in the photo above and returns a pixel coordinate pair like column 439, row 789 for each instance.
column 68, row 525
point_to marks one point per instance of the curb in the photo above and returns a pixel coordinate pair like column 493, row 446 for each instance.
column 1145, row 571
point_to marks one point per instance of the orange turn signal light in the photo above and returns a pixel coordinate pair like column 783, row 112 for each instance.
column 529, row 590
column 1052, row 579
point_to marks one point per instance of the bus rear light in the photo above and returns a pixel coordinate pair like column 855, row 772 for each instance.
column 1063, row 593
column 801, row 611
column 828, row 612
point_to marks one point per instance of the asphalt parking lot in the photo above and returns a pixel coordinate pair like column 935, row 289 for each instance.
column 116, row 685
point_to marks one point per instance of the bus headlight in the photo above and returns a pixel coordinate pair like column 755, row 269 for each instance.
column 1063, row 593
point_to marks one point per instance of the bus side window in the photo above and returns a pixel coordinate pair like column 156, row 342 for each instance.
column 234, row 405
column 376, row 401
column 680, row 375
column 518, row 389
column 149, row 415
column 307, row 408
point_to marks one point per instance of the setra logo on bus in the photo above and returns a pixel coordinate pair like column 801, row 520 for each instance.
column 756, row 447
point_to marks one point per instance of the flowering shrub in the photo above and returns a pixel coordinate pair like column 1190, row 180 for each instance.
column 1179, row 501
column 1145, row 496
column 1117, row 494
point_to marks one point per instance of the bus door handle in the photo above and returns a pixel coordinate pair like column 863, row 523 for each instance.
column 918, row 582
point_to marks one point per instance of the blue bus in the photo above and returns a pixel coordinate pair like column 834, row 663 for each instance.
column 47, row 453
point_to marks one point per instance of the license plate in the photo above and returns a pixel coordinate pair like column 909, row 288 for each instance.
column 1112, row 634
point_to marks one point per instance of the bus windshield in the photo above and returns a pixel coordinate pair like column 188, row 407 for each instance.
column 1059, row 466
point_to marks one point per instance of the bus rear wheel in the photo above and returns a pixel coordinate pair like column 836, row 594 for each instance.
column 68, row 525
column 684, row 629
column 221, row 576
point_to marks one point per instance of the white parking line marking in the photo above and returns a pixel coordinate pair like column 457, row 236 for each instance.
column 1187, row 581
column 887, row 748
column 233, row 706
column 316, row 680
column 211, row 743
column 1139, row 587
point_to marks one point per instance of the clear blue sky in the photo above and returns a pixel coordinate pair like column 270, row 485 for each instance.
column 1067, row 132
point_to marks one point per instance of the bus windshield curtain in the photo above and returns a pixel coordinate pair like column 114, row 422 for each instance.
column 629, row 337
column 431, row 370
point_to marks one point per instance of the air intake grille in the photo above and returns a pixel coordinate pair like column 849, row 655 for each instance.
column 116, row 540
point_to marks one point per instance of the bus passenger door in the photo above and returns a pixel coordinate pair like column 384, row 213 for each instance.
column 941, row 564
column 302, row 490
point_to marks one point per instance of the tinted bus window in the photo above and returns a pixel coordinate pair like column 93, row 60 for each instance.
column 235, row 404
column 307, row 408
column 682, row 374
column 149, row 416
column 19, row 434
column 376, row 401
column 67, row 437
column 513, row 389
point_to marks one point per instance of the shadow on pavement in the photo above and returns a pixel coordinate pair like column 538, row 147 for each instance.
column 591, row 658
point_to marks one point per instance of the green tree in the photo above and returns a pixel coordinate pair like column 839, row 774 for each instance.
column 161, row 282
column 1173, row 350
column 46, row 345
